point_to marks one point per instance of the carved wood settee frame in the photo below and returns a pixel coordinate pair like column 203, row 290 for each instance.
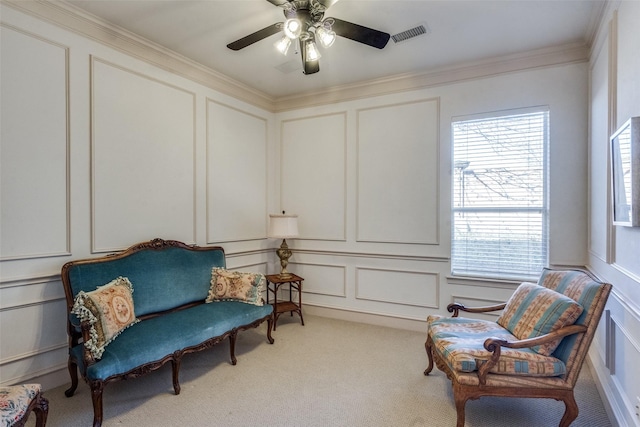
column 78, row 334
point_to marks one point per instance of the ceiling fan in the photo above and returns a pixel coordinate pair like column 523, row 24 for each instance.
column 306, row 23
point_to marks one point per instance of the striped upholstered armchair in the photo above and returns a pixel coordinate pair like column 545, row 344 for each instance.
column 535, row 348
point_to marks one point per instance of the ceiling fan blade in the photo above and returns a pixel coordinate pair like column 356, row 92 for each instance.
column 361, row 34
column 309, row 67
column 255, row 37
column 278, row 2
column 326, row 3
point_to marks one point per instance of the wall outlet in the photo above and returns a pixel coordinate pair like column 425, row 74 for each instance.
column 637, row 406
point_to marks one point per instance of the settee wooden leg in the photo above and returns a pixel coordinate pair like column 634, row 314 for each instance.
column 269, row 328
column 73, row 373
column 97, row 388
column 175, row 371
column 427, row 346
column 232, row 346
column 571, row 410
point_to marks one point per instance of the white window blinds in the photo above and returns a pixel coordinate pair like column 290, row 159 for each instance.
column 499, row 195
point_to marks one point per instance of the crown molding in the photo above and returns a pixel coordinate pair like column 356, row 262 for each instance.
column 67, row 16
column 72, row 18
column 556, row 55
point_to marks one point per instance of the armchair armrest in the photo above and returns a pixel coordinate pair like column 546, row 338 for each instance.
column 456, row 307
column 494, row 346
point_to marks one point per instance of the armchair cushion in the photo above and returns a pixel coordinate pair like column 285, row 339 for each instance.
column 460, row 341
column 109, row 309
column 236, row 286
column 534, row 310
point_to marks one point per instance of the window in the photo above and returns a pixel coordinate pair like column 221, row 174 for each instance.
column 500, row 212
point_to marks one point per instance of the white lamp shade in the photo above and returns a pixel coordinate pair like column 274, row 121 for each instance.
column 283, row 226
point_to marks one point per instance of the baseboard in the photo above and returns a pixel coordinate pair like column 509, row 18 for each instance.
column 604, row 389
column 368, row 318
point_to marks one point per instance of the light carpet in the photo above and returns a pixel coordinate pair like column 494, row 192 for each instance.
column 326, row 373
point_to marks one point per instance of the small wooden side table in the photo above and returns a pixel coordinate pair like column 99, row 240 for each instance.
column 274, row 281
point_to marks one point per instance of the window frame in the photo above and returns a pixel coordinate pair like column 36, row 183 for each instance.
column 543, row 208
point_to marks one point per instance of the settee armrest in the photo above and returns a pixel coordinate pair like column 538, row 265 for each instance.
column 456, row 307
column 494, row 345
column 87, row 357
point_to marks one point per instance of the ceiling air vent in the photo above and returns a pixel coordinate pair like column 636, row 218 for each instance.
column 410, row 33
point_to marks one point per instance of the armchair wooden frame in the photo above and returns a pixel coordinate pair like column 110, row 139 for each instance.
column 473, row 385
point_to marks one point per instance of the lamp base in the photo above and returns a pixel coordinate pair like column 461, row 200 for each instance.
column 284, row 254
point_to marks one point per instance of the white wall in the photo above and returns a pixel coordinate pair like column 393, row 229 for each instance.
column 613, row 251
column 101, row 150
column 371, row 182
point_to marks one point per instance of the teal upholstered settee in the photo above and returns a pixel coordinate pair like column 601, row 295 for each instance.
column 132, row 312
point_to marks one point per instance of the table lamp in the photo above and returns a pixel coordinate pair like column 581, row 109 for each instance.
column 283, row 227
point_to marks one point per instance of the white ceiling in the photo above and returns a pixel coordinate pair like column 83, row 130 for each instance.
column 460, row 32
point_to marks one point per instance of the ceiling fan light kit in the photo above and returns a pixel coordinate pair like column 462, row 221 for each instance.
column 292, row 28
column 283, row 45
column 305, row 23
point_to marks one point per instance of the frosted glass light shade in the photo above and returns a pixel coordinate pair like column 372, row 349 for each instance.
column 325, row 36
column 312, row 51
column 283, row 226
column 283, row 45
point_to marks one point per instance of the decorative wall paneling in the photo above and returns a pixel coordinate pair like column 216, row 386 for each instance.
column 39, row 345
column 613, row 251
column 143, row 140
column 119, row 156
column 614, row 359
column 387, row 287
column 397, row 167
column 627, row 61
column 34, row 142
column 599, row 207
column 414, row 288
column 236, row 174
column 313, row 174
column 322, row 279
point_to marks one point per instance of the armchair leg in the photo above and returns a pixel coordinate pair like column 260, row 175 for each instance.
column 427, row 346
column 571, row 410
column 460, row 404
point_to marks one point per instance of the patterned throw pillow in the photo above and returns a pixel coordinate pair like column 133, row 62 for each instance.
column 109, row 309
column 236, row 286
column 534, row 310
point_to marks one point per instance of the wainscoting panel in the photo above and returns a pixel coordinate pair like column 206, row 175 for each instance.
column 31, row 342
column 34, row 164
column 600, row 223
column 413, row 288
column 392, row 139
column 321, row 279
column 143, row 155
column 625, row 351
column 236, row 153
column 313, row 175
